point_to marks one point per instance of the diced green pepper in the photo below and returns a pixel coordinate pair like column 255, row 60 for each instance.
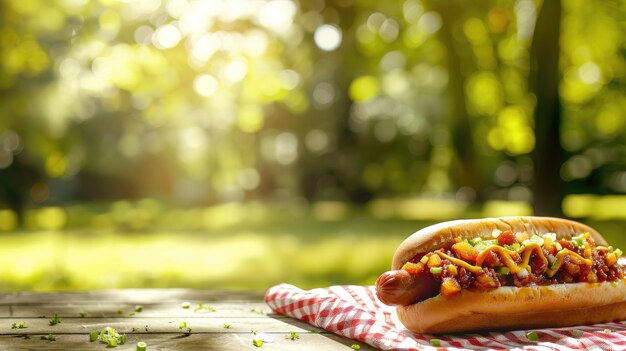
column 436, row 270
column 504, row 270
column 475, row 241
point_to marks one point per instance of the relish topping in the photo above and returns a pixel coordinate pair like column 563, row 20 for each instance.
column 518, row 260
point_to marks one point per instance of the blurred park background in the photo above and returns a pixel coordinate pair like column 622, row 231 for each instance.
column 243, row 143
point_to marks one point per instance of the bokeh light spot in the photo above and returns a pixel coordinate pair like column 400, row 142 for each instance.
column 277, row 15
column 590, row 73
column 286, row 149
column 166, row 37
column 324, row 94
column 51, row 218
column 609, row 121
column 316, row 140
column 430, row 22
column 235, row 71
column 205, row 85
column 143, row 35
column 327, row 37
column 364, row 88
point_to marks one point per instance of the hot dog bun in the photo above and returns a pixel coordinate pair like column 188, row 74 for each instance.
column 442, row 235
column 512, row 308
column 508, row 307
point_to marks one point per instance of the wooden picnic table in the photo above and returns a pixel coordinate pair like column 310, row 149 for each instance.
column 225, row 321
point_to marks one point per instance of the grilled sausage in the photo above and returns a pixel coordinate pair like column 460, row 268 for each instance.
column 401, row 288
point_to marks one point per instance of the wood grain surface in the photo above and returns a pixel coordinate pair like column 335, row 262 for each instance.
column 158, row 322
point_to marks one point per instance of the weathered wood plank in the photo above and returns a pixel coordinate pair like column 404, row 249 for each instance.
column 120, row 309
column 5, row 311
column 161, row 313
column 233, row 341
column 156, row 325
column 131, row 296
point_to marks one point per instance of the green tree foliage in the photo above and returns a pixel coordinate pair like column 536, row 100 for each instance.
column 199, row 102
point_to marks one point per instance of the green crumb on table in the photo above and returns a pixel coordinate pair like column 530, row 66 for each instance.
column 292, row 336
column 608, row 331
column 185, row 305
column 577, row 333
column 55, row 320
column 202, row 307
column 18, row 325
column 135, row 329
column 355, row 346
column 108, row 336
column 257, row 311
column 532, row 336
column 183, row 326
column 435, row 342
column 141, row 346
column 227, row 326
column 138, row 308
column 82, row 314
column 257, row 342
column 49, row 337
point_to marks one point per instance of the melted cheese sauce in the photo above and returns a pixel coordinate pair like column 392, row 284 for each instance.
column 508, row 257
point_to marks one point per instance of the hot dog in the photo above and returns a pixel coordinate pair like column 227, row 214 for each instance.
column 400, row 288
column 506, row 273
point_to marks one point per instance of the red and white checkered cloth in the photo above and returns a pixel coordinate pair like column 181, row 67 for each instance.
column 356, row 313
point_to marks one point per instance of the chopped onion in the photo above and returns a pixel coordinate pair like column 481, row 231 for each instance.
column 522, row 273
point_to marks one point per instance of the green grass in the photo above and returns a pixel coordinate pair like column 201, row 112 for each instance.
column 305, row 252
column 298, row 250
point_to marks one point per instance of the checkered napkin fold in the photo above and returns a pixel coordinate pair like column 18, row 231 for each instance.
column 355, row 312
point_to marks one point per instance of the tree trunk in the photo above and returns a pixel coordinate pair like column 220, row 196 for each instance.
column 544, row 83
